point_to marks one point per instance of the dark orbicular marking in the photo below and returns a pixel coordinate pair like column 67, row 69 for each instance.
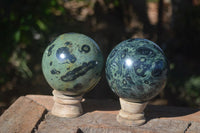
column 158, row 69
column 63, row 55
column 50, row 63
column 124, row 82
column 145, row 51
column 85, row 48
column 140, row 72
column 115, row 74
column 68, row 43
column 128, row 78
column 142, row 59
column 146, row 82
column 50, row 50
column 140, row 68
column 54, row 71
column 123, row 55
column 79, row 71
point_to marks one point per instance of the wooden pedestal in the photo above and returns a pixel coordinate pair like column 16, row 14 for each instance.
column 66, row 106
column 131, row 114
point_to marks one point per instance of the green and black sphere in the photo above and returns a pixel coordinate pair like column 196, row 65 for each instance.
column 136, row 70
column 72, row 63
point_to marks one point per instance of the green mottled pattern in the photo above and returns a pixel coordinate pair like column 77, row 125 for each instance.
column 72, row 63
column 136, row 70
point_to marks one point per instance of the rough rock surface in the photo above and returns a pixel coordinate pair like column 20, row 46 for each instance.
column 29, row 114
column 22, row 117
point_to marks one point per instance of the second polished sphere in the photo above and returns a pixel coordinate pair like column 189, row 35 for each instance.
column 72, row 63
column 136, row 70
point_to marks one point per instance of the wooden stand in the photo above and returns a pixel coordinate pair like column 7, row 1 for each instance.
column 131, row 114
column 66, row 106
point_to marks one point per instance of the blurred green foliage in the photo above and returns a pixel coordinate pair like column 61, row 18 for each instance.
column 192, row 89
column 153, row 0
column 21, row 22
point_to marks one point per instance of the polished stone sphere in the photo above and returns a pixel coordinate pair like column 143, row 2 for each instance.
column 136, row 70
column 72, row 63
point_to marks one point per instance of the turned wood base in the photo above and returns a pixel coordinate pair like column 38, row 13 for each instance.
column 66, row 106
column 131, row 114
